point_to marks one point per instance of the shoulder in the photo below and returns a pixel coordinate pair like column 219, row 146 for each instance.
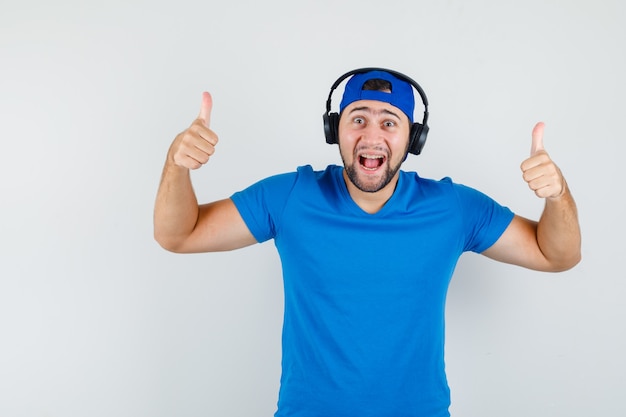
column 412, row 178
column 448, row 195
column 444, row 186
column 284, row 184
column 303, row 172
column 420, row 187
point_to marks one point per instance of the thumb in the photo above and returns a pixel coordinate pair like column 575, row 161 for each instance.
column 205, row 109
column 537, row 139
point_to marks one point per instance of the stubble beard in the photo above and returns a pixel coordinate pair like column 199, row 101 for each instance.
column 353, row 175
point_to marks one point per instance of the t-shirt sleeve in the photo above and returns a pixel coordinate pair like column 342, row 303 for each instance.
column 484, row 219
column 261, row 204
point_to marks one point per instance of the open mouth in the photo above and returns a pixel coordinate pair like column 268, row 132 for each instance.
column 371, row 162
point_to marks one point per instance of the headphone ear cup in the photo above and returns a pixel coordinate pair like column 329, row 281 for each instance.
column 418, row 136
column 331, row 127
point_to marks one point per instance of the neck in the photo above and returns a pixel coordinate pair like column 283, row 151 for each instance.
column 371, row 202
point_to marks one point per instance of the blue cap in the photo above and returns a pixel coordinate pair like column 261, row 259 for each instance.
column 401, row 95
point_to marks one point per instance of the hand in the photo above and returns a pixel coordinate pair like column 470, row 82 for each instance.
column 539, row 171
column 193, row 147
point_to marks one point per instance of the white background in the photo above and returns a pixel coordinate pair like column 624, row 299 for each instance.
column 97, row 320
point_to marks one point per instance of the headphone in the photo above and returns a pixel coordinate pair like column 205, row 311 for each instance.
column 419, row 131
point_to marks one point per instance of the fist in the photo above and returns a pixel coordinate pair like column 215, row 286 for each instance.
column 539, row 171
column 193, row 147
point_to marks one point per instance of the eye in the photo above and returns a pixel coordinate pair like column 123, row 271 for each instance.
column 359, row 120
column 389, row 123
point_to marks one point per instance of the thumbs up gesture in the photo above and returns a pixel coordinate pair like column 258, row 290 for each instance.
column 539, row 171
column 193, row 147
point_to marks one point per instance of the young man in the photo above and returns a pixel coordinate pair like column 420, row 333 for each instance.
column 367, row 251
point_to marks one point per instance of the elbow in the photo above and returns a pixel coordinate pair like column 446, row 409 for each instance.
column 575, row 261
column 168, row 243
column 566, row 264
column 169, row 248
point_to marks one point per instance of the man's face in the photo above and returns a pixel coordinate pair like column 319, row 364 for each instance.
column 373, row 141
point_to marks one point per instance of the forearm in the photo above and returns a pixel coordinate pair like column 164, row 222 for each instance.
column 558, row 231
column 176, row 207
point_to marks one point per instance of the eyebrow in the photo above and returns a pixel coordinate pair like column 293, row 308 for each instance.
column 369, row 110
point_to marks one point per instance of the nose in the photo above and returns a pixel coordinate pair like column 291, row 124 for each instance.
column 372, row 134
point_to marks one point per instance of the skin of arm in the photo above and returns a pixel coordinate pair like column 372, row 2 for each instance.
column 180, row 224
column 553, row 243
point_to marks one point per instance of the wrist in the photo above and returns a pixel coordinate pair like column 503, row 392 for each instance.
column 564, row 189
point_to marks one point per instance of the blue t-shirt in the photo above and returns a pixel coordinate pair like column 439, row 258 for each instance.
column 363, row 331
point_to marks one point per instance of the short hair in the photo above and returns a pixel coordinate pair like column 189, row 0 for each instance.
column 376, row 84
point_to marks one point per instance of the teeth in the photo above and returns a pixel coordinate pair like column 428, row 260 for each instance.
column 372, row 156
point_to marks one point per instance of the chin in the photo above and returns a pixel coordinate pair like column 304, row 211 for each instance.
column 366, row 183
